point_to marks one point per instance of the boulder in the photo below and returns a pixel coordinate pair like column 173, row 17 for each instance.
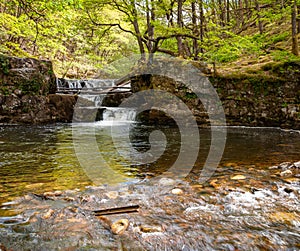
column 26, row 76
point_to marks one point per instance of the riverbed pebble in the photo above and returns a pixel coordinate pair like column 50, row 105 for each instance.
column 297, row 164
column 166, row 182
column 112, row 194
column 52, row 194
column 286, row 173
column 292, row 180
column 238, row 177
column 48, row 214
column 285, row 165
column 150, row 229
column 119, row 226
column 177, row 191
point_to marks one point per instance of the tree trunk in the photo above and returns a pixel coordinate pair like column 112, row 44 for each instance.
column 298, row 19
column 150, row 27
column 139, row 37
column 180, row 25
column 248, row 9
column 195, row 30
column 241, row 13
column 221, row 13
column 260, row 25
column 202, row 23
column 228, row 11
column 295, row 49
column 213, row 11
column 137, row 30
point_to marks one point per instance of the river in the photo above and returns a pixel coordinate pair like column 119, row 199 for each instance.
column 245, row 205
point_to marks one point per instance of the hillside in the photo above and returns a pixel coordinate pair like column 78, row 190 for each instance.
column 82, row 36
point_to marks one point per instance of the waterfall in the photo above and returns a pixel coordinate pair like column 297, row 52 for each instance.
column 99, row 84
column 119, row 114
column 96, row 99
column 91, row 94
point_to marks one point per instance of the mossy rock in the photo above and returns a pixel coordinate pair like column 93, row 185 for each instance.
column 30, row 76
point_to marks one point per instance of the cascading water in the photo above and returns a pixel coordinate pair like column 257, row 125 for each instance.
column 99, row 84
column 119, row 114
column 95, row 99
column 91, row 94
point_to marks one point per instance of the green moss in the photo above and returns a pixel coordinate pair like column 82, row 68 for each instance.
column 4, row 64
column 30, row 87
column 189, row 95
column 4, row 90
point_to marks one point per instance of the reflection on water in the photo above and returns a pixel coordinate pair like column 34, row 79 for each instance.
column 245, row 205
column 42, row 158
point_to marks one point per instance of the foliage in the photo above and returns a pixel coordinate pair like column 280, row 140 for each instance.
column 81, row 36
column 283, row 56
column 4, row 64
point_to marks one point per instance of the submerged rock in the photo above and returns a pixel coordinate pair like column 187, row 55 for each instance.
column 177, row 191
column 238, row 177
column 119, row 226
column 166, row 182
column 150, row 229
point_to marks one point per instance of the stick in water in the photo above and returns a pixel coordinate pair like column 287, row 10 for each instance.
column 117, row 210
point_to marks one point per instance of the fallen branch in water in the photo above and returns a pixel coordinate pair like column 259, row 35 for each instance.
column 41, row 196
column 117, row 210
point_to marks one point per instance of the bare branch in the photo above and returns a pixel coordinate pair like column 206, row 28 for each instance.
column 110, row 25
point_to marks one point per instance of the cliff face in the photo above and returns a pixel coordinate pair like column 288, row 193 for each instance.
column 27, row 93
column 26, row 76
column 268, row 98
column 36, row 109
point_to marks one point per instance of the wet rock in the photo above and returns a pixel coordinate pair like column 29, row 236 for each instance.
column 292, row 180
column 150, row 229
column 48, row 214
column 285, row 165
column 106, row 222
column 286, row 173
column 297, row 164
column 166, row 182
column 58, row 193
column 177, row 191
column 69, row 199
column 238, row 177
column 53, row 194
column 284, row 217
column 214, row 183
column 273, row 167
column 112, row 194
column 197, row 186
column 119, row 226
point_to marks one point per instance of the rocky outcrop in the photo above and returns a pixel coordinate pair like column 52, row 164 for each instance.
column 23, row 76
column 36, row 109
column 271, row 98
column 27, row 93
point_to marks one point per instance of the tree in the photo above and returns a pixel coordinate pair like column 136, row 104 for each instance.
column 295, row 49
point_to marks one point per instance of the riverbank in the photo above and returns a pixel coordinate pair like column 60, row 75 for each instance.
column 267, row 96
column 229, row 212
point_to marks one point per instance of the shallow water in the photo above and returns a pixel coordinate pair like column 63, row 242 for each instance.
column 245, row 205
column 42, row 158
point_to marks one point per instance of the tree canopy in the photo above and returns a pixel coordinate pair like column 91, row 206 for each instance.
column 80, row 36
